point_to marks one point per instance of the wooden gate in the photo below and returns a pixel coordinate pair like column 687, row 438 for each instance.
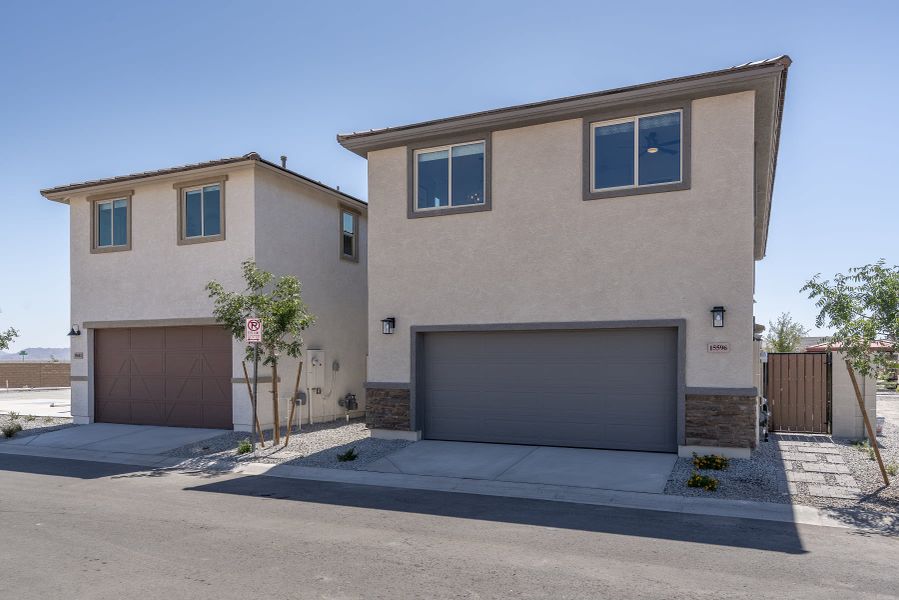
column 798, row 389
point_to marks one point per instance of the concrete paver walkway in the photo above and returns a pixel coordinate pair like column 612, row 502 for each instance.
column 814, row 465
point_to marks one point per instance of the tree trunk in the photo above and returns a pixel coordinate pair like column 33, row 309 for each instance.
column 275, row 414
column 871, row 433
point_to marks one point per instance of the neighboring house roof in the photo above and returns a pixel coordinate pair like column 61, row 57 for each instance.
column 61, row 193
column 766, row 77
column 878, row 346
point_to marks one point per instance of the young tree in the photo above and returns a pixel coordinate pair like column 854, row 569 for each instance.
column 784, row 334
column 862, row 308
column 6, row 337
column 282, row 310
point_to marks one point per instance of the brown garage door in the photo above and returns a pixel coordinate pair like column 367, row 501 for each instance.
column 178, row 376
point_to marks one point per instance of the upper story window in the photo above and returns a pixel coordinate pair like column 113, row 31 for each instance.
column 201, row 211
column 111, row 222
column 449, row 178
column 349, row 234
column 639, row 154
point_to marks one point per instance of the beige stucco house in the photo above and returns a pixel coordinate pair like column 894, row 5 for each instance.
column 546, row 273
column 144, row 246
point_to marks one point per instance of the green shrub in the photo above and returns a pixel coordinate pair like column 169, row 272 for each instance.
column 865, row 446
column 893, row 469
column 244, row 446
column 29, row 418
column 14, row 416
column 706, row 482
column 11, row 429
column 347, row 456
column 710, row 461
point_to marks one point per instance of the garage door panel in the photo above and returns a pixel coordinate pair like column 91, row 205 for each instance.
column 147, row 338
column 164, row 376
column 184, row 337
column 585, row 388
column 217, row 364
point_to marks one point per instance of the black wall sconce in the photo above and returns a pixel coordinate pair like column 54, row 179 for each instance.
column 74, row 330
column 388, row 325
column 718, row 316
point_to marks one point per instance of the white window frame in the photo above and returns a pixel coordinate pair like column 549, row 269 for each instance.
column 636, row 121
column 203, row 234
column 111, row 202
column 449, row 150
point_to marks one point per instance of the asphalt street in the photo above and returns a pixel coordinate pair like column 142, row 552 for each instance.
column 73, row 530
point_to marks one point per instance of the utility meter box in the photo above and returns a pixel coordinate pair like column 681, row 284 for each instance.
column 315, row 380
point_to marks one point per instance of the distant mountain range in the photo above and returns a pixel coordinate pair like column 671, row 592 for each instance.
column 37, row 354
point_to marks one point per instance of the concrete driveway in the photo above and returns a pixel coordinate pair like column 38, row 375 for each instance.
column 40, row 403
column 107, row 437
column 575, row 467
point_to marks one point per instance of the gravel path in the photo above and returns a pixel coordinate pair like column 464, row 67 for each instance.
column 32, row 425
column 315, row 446
column 865, row 470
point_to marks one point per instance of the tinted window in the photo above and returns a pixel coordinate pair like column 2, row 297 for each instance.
column 120, row 222
column 613, row 155
column 212, row 214
column 660, row 149
column 433, row 179
column 193, row 214
column 104, row 224
column 468, row 174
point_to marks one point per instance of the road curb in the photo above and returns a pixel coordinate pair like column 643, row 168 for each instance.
column 742, row 509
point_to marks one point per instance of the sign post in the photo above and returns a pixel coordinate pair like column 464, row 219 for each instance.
column 253, row 335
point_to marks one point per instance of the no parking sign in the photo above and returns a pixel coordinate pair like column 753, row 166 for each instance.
column 254, row 330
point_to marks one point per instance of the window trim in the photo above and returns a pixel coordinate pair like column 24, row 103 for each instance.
column 94, row 202
column 182, row 187
column 412, row 151
column 344, row 208
column 631, row 115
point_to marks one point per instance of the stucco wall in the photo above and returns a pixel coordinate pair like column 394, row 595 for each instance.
column 298, row 232
column 157, row 278
column 847, row 417
column 544, row 254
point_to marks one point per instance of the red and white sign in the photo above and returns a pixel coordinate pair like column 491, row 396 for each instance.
column 254, row 330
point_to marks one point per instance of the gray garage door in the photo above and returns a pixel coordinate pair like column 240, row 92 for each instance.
column 610, row 388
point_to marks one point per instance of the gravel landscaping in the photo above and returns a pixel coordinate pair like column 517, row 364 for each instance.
column 32, row 425
column 865, row 470
column 808, row 470
column 315, row 446
column 760, row 478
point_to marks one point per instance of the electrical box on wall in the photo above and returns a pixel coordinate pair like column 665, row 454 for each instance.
column 315, row 380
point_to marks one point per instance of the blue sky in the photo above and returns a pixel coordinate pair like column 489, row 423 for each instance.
column 97, row 89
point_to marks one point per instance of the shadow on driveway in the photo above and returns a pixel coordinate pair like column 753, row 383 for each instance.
column 724, row 531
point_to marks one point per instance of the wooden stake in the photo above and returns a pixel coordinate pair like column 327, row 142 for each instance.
column 246, row 377
column 871, row 436
column 293, row 404
column 275, row 411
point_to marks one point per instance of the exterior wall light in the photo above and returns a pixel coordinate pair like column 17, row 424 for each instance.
column 74, row 330
column 388, row 325
column 718, row 316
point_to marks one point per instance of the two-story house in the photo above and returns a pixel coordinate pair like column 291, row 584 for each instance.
column 575, row 272
column 143, row 248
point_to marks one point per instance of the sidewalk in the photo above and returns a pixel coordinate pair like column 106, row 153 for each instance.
column 805, row 515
